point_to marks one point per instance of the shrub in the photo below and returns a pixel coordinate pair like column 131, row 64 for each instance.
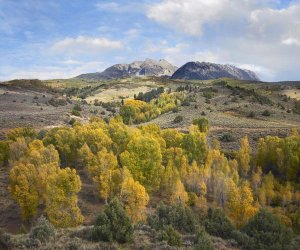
column 267, row 231
column 186, row 102
column 218, row 224
column 57, row 102
column 175, row 110
column 266, row 113
column 178, row 119
column 179, row 216
column 296, row 108
column 234, row 99
column 227, row 137
column 43, row 231
column 77, row 107
column 170, row 235
column 72, row 121
column 113, row 224
column 202, row 124
column 208, row 94
column 251, row 114
column 203, row 240
column 295, row 244
column 76, row 113
column 243, row 240
column 4, row 240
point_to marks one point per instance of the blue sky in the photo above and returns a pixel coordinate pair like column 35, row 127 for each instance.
column 62, row 38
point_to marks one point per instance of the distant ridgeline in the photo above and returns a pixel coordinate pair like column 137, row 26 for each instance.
column 189, row 71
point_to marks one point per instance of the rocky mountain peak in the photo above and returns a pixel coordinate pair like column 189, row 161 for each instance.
column 148, row 67
column 206, row 70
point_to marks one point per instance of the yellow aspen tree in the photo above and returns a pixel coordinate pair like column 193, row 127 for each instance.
column 95, row 137
column 106, row 174
column 17, row 149
column 234, row 174
column 134, row 197
column 219, row 172
column 86, row 157
column 120, row 134
column 194, row 181
column 23, row 188
column 172, row 188
column 240, row 205
column 247, row 205
column 143, row 158
column 172, row 137
column 244, row 155
column 195, row 145
column 177, row 157
column 61, row 198
column 256, row 179
column 286, row 194
column 268, row 186
column 179, row 194
column 36, row 181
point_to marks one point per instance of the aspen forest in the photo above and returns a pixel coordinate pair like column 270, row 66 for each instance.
column 172, row 182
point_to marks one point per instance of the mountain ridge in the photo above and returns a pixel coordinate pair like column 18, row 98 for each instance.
column 206, row 71
column 149, row 67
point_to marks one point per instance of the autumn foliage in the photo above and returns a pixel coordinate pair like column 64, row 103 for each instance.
column 140, row 165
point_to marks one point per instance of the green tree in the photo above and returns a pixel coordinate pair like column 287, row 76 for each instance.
column 113, row 224
column 218, row 224
column 267, row 231
column 178, row 215
column 203, row 240
column 170, row 235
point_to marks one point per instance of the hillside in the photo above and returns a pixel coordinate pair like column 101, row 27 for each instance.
column 233, row 108
column 206, row 71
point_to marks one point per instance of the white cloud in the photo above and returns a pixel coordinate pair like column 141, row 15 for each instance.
column 291, row 41
column 86, row 45
column 110, row 6
column 182, row 57
column 191, row 16
column 241, row 32
column 132, row 32
column 70, row 62
column 131, row 6
column 262, row 72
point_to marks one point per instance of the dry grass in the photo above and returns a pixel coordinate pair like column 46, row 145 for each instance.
column 115, row 93
column 292, row 93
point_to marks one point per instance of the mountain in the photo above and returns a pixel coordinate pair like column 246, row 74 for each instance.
column 206, row 71
column 148, row 67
